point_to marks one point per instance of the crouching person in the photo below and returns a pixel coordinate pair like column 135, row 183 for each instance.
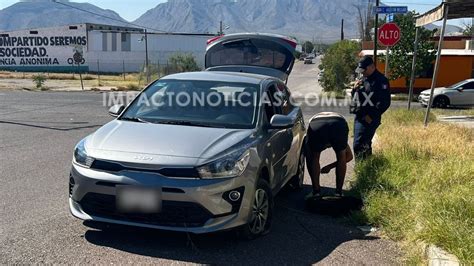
column 327, row 129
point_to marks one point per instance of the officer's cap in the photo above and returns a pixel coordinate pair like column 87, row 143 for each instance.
column 364, row 63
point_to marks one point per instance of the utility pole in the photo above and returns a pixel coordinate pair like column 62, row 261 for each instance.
column 413, row 68
column 221, row 30
column 342, row 30
column 147, row 72
column 376, row 31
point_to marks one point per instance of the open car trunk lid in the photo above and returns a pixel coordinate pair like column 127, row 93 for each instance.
column 264, row 54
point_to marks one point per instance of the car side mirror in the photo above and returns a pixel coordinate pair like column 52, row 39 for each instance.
column 116, row 110
column 281, row 122
column 460, row 89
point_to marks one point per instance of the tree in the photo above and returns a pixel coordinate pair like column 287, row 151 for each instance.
column 401, row 55
column 365, row 20
column 321, row 47
column 339, row 64
column 468, row 29
column 308, row 47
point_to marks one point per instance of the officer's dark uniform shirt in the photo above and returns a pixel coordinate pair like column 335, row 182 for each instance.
column 376, row 87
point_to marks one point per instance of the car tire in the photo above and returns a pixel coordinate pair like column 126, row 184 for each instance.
column 296, row 182
column 261, row 211
column 441, row 102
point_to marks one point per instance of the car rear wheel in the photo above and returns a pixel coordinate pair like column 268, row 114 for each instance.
column 441, row 102
column 260, row 219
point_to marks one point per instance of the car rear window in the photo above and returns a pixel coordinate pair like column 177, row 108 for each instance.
column 253, row 52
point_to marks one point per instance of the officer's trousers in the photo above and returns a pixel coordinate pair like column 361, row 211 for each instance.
column 363, row 134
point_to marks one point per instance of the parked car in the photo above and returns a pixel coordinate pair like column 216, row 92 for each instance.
column 202, row 168
column 308, row 60
column 459, row 94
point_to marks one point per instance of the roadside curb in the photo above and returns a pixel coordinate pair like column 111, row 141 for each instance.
column 461, row 120
column 439, row 257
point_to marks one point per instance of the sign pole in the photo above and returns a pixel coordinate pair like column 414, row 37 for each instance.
column 123, row 69
column 98, row 73
column 376, row 32
column 413, row 69
column 386, row 60
column 147, row 72
column 438, row 58
column 80, row 75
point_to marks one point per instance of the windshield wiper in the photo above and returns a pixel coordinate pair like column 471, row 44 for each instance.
column 135, row 119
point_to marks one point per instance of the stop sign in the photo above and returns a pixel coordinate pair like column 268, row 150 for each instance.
column 389, row 34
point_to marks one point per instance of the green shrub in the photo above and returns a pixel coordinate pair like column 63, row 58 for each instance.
column 183, row 62
column 339, row 64
column 39, row 80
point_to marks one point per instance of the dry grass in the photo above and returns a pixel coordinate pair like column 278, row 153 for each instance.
column 129, row 87
column 419, row 184
column 131, row 81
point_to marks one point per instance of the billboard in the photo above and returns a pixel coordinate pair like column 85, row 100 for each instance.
column 47, row 49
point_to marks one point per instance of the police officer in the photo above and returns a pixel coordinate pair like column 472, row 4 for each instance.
column 371, row 98
column 325, row 130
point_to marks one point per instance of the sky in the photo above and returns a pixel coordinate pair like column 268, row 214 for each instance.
column 132, row 11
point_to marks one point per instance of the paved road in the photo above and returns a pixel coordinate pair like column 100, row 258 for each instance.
column 37, row 134
column 304, row 78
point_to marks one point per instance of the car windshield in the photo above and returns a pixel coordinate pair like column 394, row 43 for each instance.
column 196, row 103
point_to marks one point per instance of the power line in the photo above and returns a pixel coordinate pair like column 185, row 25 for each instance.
column 107, row 17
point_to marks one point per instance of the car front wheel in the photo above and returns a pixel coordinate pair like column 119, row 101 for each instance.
column 441, row 102
column 260, row 219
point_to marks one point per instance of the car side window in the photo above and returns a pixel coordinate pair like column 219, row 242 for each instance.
column 286, row 105
column 271, row 108
column 468, row 86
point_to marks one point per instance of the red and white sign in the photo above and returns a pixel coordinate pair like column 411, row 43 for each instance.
column 389, row 34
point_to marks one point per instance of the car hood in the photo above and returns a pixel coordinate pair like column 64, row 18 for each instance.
column 145, row 141
column 436, row 91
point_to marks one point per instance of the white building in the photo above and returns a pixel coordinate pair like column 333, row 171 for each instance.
column 104, row 48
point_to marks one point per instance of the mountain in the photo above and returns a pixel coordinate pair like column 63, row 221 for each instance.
column 318, row 19
column 45, row 13
column 304, row 19
column 451, row 30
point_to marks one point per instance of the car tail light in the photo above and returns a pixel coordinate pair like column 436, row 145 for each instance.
column 214, row 39
column 291, row 42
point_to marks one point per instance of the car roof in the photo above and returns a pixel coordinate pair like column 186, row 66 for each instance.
column 219, row 76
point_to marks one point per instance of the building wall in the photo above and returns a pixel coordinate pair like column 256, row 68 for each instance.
column 452, row 69
column 130, row 54
column 42, row 49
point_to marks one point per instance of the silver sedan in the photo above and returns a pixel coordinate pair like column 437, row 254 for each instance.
column 200, row 151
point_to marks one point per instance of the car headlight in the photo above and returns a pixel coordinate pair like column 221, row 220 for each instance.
column 231, row 165
column 80, row 155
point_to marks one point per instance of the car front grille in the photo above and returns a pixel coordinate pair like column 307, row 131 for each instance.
column 169, row 172
column 173, row 213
